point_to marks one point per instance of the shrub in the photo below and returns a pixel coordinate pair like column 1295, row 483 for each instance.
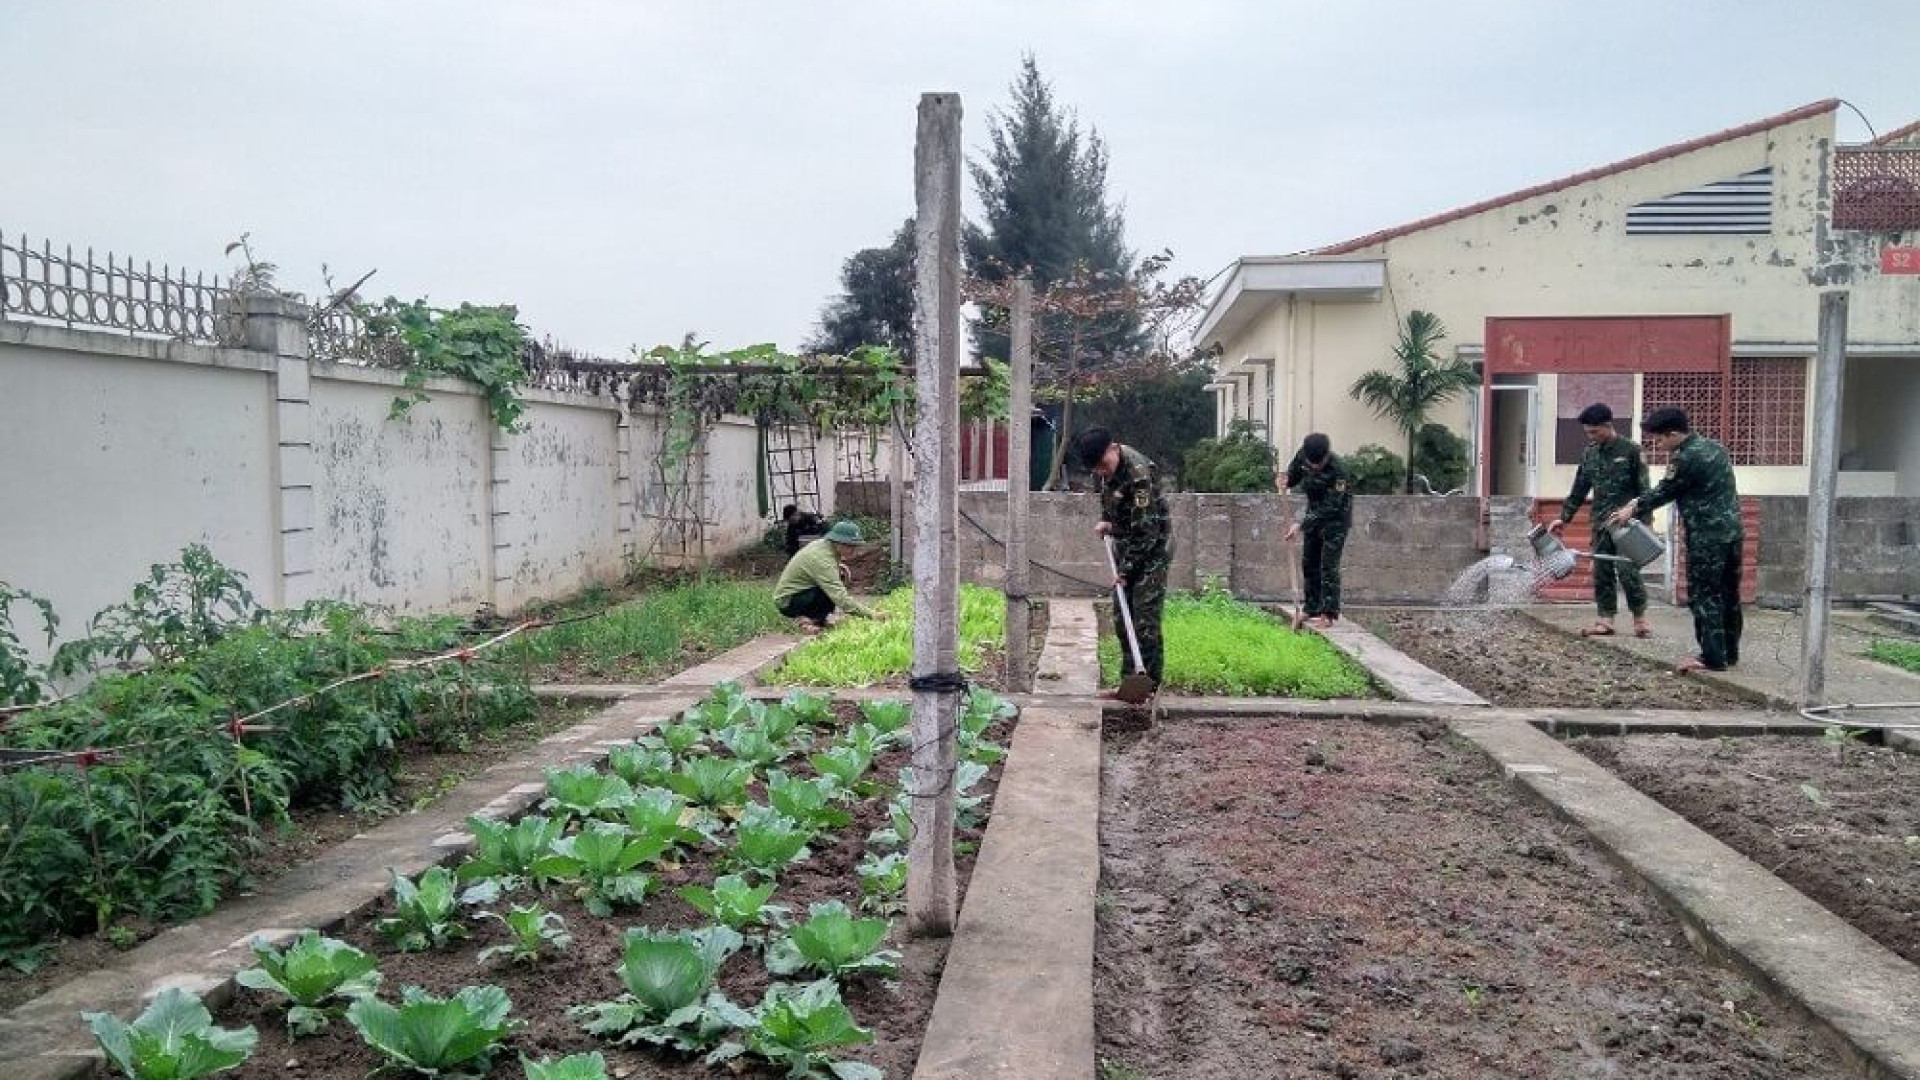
column 1242, row 460
column 1376, row 470
column 1441, row 457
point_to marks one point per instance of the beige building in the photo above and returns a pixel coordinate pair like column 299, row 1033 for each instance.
column 1741, row 230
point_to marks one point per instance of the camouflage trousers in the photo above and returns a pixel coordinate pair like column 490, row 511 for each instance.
column 1713, row 595
column 1610, row 577
column 1320, row 566
column 1146, row 596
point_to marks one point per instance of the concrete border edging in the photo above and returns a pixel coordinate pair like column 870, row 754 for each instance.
column 1404, row 677
column 1852, row 987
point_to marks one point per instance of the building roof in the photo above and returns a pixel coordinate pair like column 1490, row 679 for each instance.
column 1899, row 134
column 1805, row 112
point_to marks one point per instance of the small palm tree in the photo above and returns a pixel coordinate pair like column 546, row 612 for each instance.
column 1423, row 381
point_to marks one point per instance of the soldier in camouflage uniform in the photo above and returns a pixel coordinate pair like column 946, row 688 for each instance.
column 1316, row 471
column 1134, row 512
column 1613, row 470
column 1700, row 480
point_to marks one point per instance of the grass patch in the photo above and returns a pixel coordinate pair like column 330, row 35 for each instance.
column 1218, row 645
column 643, row 638
column 862, row 652
column 1901, row 654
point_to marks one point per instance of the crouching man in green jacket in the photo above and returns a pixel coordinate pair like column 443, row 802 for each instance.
column 810, row 587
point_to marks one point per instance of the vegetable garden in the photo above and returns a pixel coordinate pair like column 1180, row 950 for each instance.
column 721, row 892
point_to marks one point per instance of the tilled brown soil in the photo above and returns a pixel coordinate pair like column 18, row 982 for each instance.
column 1857, row 854
column 1310, row 899
column 1511, row 660
column 425, row 773
column 895, row 1011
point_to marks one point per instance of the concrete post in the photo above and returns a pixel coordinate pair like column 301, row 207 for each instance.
column 278, row 326
column 932, row 896
column 897, row 491
column 1823, row 479
column 1019, row 451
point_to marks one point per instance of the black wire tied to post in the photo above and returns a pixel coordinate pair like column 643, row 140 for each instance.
column 940, row 682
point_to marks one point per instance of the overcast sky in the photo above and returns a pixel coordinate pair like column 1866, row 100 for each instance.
column 629, row 170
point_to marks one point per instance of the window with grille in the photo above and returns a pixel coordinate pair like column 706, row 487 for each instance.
column 1769, row 408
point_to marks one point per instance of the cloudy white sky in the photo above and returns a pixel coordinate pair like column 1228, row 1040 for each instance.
column 629, row 170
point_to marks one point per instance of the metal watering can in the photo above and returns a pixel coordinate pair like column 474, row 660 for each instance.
column 1636, row 542
column 1553, row 556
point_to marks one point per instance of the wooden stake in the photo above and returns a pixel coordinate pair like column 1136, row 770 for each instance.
column 932, row 899
column 1019, row 456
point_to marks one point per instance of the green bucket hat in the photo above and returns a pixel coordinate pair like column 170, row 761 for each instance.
column 845, row 532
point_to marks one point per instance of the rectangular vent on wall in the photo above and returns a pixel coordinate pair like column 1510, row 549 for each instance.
column 1742, row 206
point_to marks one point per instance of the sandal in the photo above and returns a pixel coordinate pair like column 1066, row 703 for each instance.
column 1641, row 629
column 1599, row 629
column 1690, row 665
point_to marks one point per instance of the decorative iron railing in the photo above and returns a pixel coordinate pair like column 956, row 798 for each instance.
column 1876, row 188
column 59, row 286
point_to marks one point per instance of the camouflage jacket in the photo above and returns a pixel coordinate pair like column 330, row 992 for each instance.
column 1328, row 491
column 1615, row 473
column 1131, row 502
column 1700, row 480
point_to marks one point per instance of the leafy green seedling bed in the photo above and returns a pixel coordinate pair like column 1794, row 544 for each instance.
column 667, row 627
column 866, row 652
column 721, row 899
column 1901, row 654
column 1218, row 645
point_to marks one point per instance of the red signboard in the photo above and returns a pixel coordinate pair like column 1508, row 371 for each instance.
column 1607, row 344
column 1900, row 260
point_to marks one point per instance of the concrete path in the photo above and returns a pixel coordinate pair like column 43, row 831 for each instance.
column 1016, row 997
column 1402, row 676
column 44, row 1038
column 1769, row 658
column 1861, row 992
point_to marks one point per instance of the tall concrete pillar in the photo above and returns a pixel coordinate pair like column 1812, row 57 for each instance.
column 277, row 326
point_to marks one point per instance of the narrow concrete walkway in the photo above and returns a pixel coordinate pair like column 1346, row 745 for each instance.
column 1861, row 992
column 44, row 1038
column 1070, row 660
column 1402, row 676
column 1769, row 667
column 1016, row 997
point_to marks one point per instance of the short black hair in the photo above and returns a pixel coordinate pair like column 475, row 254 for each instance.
column 1316, row 447
column 1596, row 415
column 787, row 511
column 1091, row 445
column 1666, row 420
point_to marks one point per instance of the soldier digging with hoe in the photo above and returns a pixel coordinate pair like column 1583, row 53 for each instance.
column 1700, row 479
column 1615, row 473
column 1134, row 513
column 1317, row 472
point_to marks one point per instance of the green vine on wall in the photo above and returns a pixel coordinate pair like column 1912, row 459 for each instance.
column 483, row 345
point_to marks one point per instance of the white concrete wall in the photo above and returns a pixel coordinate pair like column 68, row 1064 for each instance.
column 117, row 453
column 560, row 485
column 400, row 505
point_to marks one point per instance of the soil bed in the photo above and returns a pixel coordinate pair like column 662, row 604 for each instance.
column 1311, row 899
column 1511, row 660
column 896, row 1012
column 425, row 773
column 1854, row 855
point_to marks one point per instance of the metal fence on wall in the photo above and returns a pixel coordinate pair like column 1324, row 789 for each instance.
column 44, row 284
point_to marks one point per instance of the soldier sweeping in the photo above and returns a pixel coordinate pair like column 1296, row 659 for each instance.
column 1328, row 487
column 1700, row 480
column 1134, row 513
column 1615, row 473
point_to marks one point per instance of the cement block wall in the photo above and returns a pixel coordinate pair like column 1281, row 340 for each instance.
column 1403, row 549
column 116, row 452
column 1876, row 549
